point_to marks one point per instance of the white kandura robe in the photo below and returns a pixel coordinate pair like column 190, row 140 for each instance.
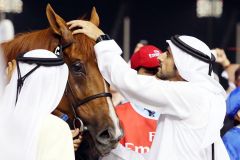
column 184, row 107
column 20, row 123
column 55, row 140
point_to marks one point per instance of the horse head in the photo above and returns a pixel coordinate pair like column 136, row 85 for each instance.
column 87, row 92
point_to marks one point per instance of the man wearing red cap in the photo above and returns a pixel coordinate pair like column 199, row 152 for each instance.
column 139, row 123
column 145, row 60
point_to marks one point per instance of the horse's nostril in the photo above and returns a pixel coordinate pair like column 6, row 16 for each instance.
column 105, row 134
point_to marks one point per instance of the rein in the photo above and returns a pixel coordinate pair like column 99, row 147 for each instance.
column 75, row 103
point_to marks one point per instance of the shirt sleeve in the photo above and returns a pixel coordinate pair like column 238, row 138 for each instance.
column 166, row 97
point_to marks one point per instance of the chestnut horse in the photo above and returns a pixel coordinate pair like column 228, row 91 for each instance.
column 86, row 97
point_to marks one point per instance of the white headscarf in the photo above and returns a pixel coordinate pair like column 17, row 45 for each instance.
column 41, row 92
column 196, row 71
column 193, row 69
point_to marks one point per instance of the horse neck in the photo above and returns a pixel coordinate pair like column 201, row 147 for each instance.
column 64, row 107
column 42, row 39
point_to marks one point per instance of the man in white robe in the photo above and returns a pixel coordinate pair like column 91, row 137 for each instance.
column 192, row 108
column 28, row 131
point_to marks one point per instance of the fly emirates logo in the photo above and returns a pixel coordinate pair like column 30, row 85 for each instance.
column 141, row 149
column 155, row 53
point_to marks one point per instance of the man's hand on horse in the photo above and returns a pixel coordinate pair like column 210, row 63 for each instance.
column 10, row 68
column 77, row 138
column 86, row 27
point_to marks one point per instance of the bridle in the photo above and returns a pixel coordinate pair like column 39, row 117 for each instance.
column 75, row 103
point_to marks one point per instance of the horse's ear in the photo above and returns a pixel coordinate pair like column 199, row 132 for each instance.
column 94, row 17
column 58, row 25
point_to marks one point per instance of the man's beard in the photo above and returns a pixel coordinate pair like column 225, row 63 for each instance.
column 166, row 76
column 161, row 76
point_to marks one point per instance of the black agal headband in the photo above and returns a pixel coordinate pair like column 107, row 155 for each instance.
column 194, row 52
column 47, row 62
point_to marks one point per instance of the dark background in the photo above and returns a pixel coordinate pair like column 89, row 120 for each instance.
column 153, row 20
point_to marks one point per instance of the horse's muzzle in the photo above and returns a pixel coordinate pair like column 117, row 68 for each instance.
column 107, row 140
column 106, row 136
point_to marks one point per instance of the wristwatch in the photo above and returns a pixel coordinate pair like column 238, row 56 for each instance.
column 102, row 38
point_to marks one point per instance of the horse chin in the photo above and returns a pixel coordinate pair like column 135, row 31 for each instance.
column 104, row 150
column 94, row 148
column 102, row 147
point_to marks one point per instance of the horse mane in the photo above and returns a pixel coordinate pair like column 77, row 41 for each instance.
column 44, row 39
column 24, row 42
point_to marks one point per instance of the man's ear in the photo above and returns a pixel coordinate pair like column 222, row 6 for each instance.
column 237, row 82
column 237, row 116
column 58, row 25
column 94, row 17
column 10, row 68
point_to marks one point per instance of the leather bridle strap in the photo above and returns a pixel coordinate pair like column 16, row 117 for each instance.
column 78, row 103
column 77, row 121
column 87, row 99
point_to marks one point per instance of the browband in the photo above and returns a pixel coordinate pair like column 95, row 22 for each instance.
column 193, row 52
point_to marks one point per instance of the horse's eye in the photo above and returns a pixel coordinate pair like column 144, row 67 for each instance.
column 78, row 67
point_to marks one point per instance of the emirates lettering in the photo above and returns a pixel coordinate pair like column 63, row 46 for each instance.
column 151, row 136
column 139, row 149
column 155, row 54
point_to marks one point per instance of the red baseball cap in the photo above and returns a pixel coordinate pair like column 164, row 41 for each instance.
column 146, row 56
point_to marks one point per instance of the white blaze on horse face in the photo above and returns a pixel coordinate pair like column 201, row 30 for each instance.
column 112, row 114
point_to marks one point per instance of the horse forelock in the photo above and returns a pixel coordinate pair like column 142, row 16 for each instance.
column 84, row 46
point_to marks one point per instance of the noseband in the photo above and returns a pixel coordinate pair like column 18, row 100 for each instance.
column 78, row 103
column 75, row 103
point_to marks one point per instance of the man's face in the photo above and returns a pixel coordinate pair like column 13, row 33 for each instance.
column 167, row 69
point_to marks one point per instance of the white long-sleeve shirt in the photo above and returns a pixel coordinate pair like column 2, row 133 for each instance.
column 185, row 109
